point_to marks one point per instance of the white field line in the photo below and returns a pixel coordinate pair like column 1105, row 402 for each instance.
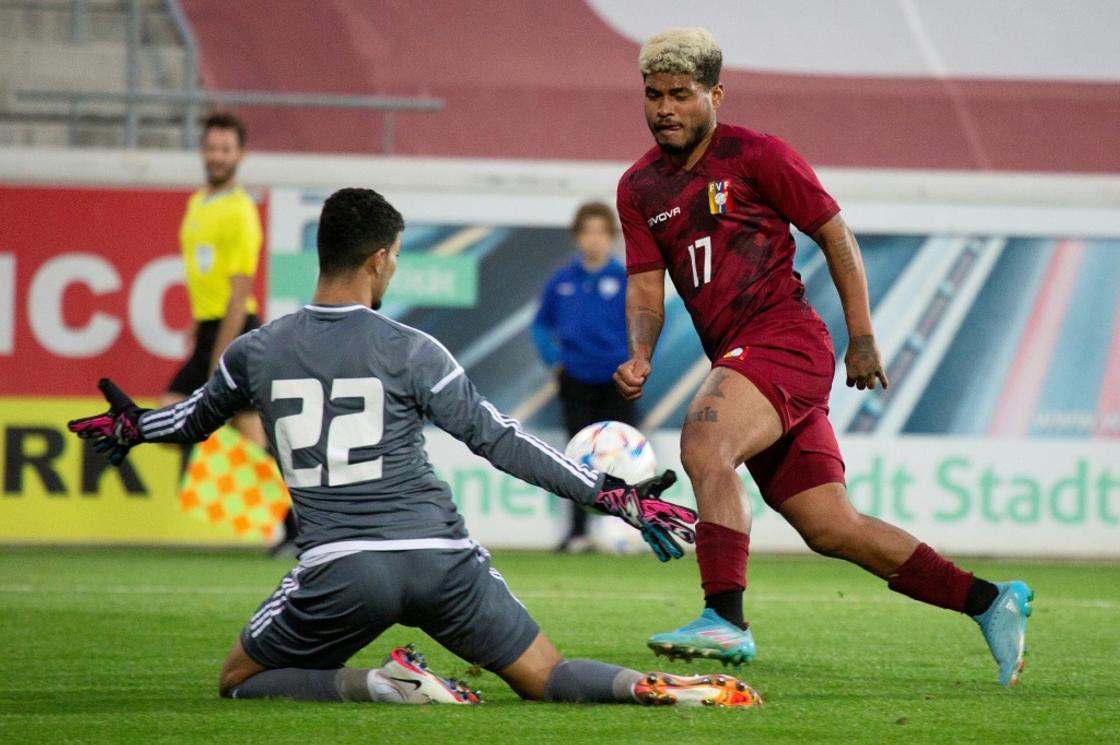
column 757, row 597
column 134, row 590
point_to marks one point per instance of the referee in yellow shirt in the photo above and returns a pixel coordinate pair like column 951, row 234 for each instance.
column 221, row 243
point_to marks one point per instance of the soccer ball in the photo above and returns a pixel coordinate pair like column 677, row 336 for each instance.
column 615, row 448
column 625, row 453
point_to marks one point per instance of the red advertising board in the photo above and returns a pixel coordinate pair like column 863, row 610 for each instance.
column 91, row 285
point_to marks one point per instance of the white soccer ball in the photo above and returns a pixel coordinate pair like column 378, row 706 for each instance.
column 615, row 448
column 623, row 452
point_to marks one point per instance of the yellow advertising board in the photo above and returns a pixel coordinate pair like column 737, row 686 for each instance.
column 56, row 489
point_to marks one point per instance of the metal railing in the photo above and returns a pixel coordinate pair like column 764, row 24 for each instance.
column 192, row 97
column 132, row 72
column 81, row 13
column 388, row 105
column 190, row 69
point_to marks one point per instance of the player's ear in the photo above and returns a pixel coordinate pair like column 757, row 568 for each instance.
column 717, row 95
column 377, row 261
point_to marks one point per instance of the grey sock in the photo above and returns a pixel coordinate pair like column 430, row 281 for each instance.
column 590, row 681
column 351, row 684
column 342, row 684
column 290, row 682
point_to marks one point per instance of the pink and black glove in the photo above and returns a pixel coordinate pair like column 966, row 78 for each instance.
column 662, row 524
column 117, row 430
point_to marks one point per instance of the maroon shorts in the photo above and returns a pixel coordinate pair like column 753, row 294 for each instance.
column 792, row 364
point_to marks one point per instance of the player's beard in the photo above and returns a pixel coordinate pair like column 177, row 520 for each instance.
column 220, row 177
column 682, row 150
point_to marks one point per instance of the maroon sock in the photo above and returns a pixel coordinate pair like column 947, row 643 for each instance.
column 931, row 578
column 722, row 555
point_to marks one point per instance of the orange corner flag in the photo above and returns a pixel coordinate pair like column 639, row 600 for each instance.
column 235, row 486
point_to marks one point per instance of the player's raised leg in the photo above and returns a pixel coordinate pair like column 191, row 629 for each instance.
column 831, row 526
column 728, row 421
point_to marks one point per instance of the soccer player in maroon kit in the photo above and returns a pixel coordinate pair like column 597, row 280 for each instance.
column 712, row 204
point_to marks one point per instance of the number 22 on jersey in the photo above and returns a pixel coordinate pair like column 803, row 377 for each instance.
column 701, row 245
column 346, row 432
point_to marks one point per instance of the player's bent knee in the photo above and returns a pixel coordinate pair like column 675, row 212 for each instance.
column 825, row 543
column 529, row 674
column 229, row 679
column 237, row 668
column 832, row 539
column 226, row 684
column 528, row 683
column 700, row 457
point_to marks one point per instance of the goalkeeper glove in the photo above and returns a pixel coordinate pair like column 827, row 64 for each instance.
column 117, row 430
column 662, row 524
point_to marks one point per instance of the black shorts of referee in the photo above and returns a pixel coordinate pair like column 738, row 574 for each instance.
column 196, row 371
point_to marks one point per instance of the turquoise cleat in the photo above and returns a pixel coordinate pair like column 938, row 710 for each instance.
column 1005, row 627
column 710, row 637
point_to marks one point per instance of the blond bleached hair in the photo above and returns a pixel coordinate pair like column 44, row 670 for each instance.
column 683, row 51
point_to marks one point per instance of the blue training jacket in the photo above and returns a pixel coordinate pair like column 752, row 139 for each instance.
column 581, row 322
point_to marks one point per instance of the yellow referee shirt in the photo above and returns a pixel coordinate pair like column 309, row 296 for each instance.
column 220, row 237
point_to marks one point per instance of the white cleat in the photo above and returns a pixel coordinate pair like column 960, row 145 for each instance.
column 406, row 669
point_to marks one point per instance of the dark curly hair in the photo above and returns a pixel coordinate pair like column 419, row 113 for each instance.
column 225, row 120
column 354, row 225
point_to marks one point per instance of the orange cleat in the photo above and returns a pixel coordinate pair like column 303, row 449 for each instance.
column 664, row 689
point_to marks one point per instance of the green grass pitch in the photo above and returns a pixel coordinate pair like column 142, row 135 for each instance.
column 104, row 645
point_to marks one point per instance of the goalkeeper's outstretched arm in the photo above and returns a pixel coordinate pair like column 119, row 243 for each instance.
column 191, row 420
column 125, row 424
column 208, row 408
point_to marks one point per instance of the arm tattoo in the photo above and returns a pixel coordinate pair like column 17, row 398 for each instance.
column 645, row 327
column 842, row 252
column 701, row 416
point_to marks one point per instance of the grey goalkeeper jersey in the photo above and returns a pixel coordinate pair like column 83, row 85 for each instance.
column 343, row 393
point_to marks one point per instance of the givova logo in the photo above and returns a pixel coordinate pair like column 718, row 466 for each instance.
column 661, row 217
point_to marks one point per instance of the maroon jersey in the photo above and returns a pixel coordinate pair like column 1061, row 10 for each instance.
column 722, row 230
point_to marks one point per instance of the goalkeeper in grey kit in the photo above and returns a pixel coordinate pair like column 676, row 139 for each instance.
column 343, row 392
